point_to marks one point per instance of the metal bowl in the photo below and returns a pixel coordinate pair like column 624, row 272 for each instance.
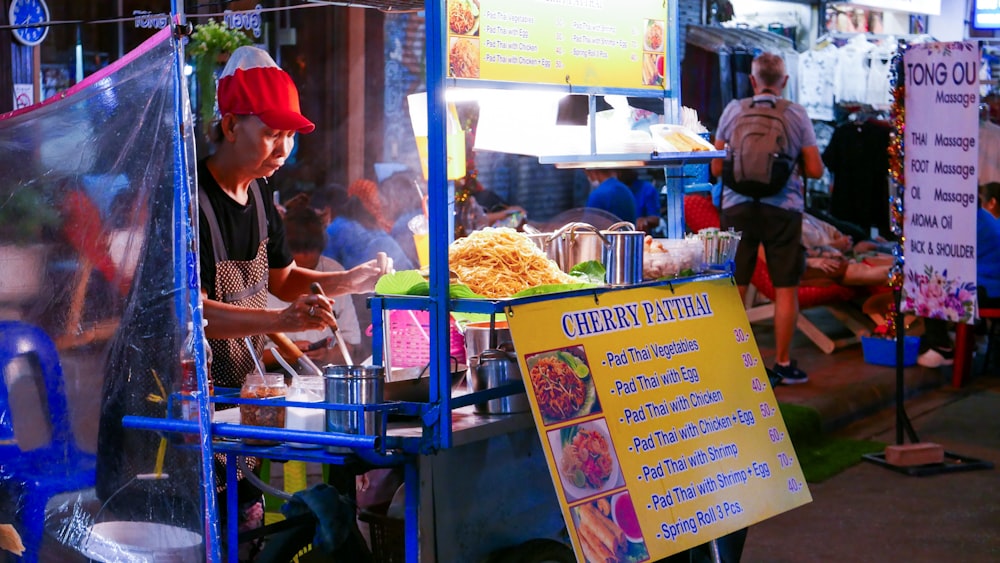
column 413, row 384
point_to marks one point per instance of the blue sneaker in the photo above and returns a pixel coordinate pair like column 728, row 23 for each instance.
column 791, row 374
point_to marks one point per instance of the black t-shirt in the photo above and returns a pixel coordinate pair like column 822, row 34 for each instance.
column 858, row 157
column 238, row 226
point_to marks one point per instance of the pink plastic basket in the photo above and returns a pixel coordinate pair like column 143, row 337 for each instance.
column 409, row 339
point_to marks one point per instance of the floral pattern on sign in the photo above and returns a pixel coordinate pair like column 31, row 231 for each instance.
column 932, row 295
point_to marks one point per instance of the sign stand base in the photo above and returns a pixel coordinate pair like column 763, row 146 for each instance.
column 952, row 462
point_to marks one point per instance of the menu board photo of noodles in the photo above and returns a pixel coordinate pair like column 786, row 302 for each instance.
column 463, row 57
column 586, row 459
column 463, row 17
column 608, row 530
column 562, row 384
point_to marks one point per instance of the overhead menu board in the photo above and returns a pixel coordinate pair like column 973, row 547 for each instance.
column 584, row 43
column 655, row 413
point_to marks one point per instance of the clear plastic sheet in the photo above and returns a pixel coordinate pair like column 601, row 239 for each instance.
column 96, row 316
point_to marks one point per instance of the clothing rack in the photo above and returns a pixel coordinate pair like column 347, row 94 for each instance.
column 716, row 66
column 834, row 36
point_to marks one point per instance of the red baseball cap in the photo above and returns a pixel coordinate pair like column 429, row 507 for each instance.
column 252, row 84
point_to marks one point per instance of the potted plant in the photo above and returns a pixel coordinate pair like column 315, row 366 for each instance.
column 210, row 45
column 24, row 215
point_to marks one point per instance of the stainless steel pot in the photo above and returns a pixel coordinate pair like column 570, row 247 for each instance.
column 574, row 243
column 542, row 241
column 622, row 257
column 496, row 368
column 477, row 340
column 353, row 385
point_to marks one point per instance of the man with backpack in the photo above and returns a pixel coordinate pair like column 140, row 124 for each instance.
column 771, row 148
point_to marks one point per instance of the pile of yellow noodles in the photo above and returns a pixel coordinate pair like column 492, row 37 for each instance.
column 501, row 262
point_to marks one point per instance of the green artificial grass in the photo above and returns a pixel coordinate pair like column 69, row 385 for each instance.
column 821, row 455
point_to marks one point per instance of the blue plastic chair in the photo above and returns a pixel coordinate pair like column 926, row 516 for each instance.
column 36, row 475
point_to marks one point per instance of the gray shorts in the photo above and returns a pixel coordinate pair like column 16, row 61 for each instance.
column 779, row 230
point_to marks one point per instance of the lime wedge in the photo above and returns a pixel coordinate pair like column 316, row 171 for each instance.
column 579, row 368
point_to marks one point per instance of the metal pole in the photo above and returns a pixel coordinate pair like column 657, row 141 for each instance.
column 714, row 547
column 186, row 277
column 437, row 192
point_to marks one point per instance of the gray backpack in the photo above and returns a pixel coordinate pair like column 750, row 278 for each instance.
column 759, row 162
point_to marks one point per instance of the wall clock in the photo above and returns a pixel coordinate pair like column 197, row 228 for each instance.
column 26, row 12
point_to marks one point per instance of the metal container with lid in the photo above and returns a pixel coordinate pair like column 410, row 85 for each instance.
column 574, row 243
column 484, row 335
column 495, row 368
column 354, row 385
column 543, row 242
column 622, row 257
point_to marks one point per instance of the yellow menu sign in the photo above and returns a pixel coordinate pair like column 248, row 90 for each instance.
column 656, row 416
column 596, row 43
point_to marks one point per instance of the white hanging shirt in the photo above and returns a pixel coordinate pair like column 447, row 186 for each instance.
column 879, row 70
column 818, row 75
column 853, row 70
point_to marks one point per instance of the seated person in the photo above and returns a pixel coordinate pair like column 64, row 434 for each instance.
column 989, row 198
column 647, row 199
column 610, row 194
column 484, row 208
column 304, row 231
column 833, row 257
column 936, row 347
column 354, row 235
column 401, row 200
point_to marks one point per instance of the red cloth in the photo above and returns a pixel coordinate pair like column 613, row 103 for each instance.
column 700, row 213
column 83, row 230
column 809, row 296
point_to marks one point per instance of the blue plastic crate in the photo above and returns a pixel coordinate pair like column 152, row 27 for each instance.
column 882, row 351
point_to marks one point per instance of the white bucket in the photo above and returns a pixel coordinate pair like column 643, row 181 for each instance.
column 141, row 542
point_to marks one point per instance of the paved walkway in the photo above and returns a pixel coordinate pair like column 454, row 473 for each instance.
column 842, row 387
column 870, row 513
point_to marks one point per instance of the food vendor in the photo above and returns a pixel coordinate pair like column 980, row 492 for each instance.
column 243, row 251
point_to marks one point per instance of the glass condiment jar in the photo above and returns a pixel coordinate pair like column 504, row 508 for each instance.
column 266, row 386
column 306, row 389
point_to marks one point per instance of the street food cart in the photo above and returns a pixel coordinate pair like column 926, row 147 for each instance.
column 474, row 482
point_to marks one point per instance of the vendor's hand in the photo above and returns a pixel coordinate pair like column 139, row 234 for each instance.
column 308, row 312
column 362, row 278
